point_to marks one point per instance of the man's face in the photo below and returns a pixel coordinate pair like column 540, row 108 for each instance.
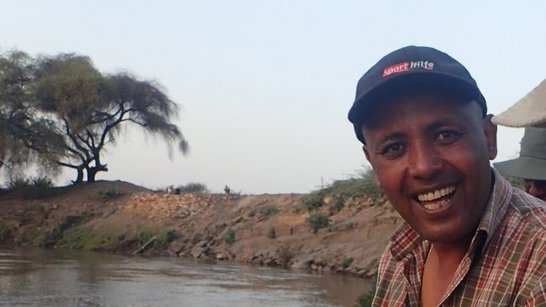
column 431, row 155
column 537, row 188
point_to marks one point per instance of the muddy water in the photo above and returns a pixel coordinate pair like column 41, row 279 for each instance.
column 47, row 278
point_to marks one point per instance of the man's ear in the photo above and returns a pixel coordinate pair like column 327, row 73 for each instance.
column 490, row 130
column 367, row 154
column 365, row 150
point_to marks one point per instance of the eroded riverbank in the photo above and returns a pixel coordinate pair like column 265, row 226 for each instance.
column 271, row 230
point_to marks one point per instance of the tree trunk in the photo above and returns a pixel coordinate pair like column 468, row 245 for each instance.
column 79, row 178
column 91, row 173
column 93, row 170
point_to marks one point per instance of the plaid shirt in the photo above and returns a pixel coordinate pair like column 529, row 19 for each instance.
column 505, row 264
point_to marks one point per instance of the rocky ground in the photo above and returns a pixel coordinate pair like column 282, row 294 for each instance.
column 273, row 230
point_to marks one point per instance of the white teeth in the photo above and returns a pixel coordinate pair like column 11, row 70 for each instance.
column 434, row 205
column 434, row 195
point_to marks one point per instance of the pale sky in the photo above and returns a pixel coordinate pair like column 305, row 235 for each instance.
column 265, row 86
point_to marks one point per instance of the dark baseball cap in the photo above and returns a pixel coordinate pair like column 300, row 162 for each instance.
column 407, row 69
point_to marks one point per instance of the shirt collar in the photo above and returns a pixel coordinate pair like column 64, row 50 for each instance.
column 496, row 208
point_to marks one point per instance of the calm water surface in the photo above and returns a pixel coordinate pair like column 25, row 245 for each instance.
column 48, row 278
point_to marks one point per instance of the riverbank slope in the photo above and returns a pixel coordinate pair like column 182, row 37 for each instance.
column 274, row 230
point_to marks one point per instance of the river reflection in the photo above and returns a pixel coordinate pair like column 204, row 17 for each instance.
column 49, row 278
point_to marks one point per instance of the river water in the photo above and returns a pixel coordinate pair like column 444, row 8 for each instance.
column 34, row 277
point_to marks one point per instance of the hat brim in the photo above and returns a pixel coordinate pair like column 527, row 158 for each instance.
column 523, row 167
column 529, row 111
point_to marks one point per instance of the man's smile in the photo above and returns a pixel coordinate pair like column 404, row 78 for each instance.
column 436, row 199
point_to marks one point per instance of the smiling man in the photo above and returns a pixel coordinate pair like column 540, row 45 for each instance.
column 469, row 237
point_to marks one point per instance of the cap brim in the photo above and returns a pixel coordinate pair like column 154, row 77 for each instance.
column 523, row 167
column 530, row 111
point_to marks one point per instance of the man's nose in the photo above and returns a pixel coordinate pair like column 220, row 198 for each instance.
column 424, row 162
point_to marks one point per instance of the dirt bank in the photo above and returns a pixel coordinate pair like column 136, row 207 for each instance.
column 264, row 229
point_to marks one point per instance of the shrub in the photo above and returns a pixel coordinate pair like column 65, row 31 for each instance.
column 110, row 193
column 318, row 221
column 366, row 298
column 42, row 182
column 371, row 189
column 313, row 201
column 52, row 237
column 363, row 184
column 229, row 237
column 34, row 187
column 272, row 234
column 19, row 182
column 338, row 203
column 41, row 187
column 346, row 262
column 192, row 187
column 298, row 207
column 144, row 235
column 166, row 236
column 267, row 210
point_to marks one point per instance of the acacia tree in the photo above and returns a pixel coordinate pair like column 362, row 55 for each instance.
column 24, row 137
column 90, row 109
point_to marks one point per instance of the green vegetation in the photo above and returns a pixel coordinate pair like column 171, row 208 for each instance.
column 318, row 221
column 346, row 262
column 229, row 237
column 366, row 298
column 52, row 237
column 338, row 203
column 33, row 187
column 18, row 182
column 313, row 201
column 60, row 111
column 162, row 238
column 85, row 237
column 266, row 209
column 363, row 184
column 166, row 236
column 272, row 233
column 41, row 182
column 111, row 237
column 143, row 235
column 192, row 187
column 110, row 194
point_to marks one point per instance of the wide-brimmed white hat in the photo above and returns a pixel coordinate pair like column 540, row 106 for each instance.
column 529, row 111
column 531, row 163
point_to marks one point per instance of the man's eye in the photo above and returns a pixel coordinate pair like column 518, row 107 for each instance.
column 448, row 136
column 393, row 150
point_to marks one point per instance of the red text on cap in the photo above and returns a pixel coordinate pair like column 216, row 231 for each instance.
column 396, row 68
column 406, row 66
